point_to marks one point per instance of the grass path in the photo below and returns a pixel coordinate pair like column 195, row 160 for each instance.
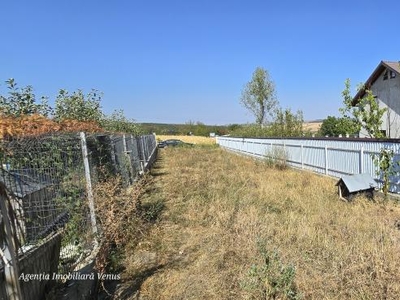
column 233, row 228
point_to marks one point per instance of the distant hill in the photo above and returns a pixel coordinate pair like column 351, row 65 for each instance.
column 312, row 126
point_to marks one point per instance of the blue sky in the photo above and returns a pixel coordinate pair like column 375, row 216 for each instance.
column 179, row 61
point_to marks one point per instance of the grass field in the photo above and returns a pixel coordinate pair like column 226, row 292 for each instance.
column 234, row 228
column 197, row 140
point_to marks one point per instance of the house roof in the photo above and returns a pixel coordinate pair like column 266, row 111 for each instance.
column 383, row 65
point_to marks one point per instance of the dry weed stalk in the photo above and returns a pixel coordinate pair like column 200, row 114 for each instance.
column 118, row 211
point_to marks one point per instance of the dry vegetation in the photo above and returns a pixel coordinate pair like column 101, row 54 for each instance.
column 234, row 228
column 312, row 127
column 197, row 140
column 30, row 125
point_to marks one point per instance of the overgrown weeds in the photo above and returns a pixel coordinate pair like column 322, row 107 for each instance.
column 277, row 157
column 218, row 205
column 123, row 219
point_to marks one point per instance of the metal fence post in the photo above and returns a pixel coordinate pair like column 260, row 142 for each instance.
column 89, row 189
column 361, row 160
column 124, row 143
column 114, row 161
column 139, row 153
column 147, row 149
column 135, row 153
column 270, row 150
column 326, row 159
column 127, row 154
column 302, row 160
column 10, row 257
column 143, row 152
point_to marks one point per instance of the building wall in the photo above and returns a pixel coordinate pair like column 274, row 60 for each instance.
column 388, row 94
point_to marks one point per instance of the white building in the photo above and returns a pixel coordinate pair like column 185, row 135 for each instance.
column 384, row 83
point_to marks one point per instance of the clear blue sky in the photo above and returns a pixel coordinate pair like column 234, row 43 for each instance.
column 175, row 61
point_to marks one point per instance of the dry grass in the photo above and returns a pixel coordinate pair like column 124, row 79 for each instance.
column 122, row 218
column 312, row 126
column 219, row 206
column 198, row 140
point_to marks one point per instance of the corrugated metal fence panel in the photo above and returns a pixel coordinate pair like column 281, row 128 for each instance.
column 314, row 158
column 337, row 166
column 294, row 153
column 331, row 157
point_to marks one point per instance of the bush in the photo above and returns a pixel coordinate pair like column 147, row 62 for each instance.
column 277, row 157
column 271, row 279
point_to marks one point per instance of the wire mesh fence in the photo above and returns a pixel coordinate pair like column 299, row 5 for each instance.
column 48, row 184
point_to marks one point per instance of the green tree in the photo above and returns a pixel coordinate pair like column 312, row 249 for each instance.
column 386, row 168
column 287, row 123
column 366, row 111
column 117, row 122
column 234, row 127
column 201, row 129
column 333, row 126
column 329, row 126
column 78, row 106
column 189, row 127
column 22, row 101
column 258, row 96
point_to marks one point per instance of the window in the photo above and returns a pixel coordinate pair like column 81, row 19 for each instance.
column 389, row 74
column 386, row 75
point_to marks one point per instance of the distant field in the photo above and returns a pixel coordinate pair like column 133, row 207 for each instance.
column 198, row 140
column 312, row 126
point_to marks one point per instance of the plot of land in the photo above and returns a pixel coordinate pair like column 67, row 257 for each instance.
column 235, row 228
column 197, row 140
column 313, row 127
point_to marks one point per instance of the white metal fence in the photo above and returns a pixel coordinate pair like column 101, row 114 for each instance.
column 333, row 157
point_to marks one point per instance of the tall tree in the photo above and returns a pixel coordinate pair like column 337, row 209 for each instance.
column 258, row 96
column 78, row 106
column 366, row 111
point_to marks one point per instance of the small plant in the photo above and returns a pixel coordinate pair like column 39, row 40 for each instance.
column 271, row 279
column 386, row 167
column 277, row 157
column 151, row 211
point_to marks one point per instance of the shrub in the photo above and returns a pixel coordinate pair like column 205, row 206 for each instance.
column 270, row 279
column 277, row 157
